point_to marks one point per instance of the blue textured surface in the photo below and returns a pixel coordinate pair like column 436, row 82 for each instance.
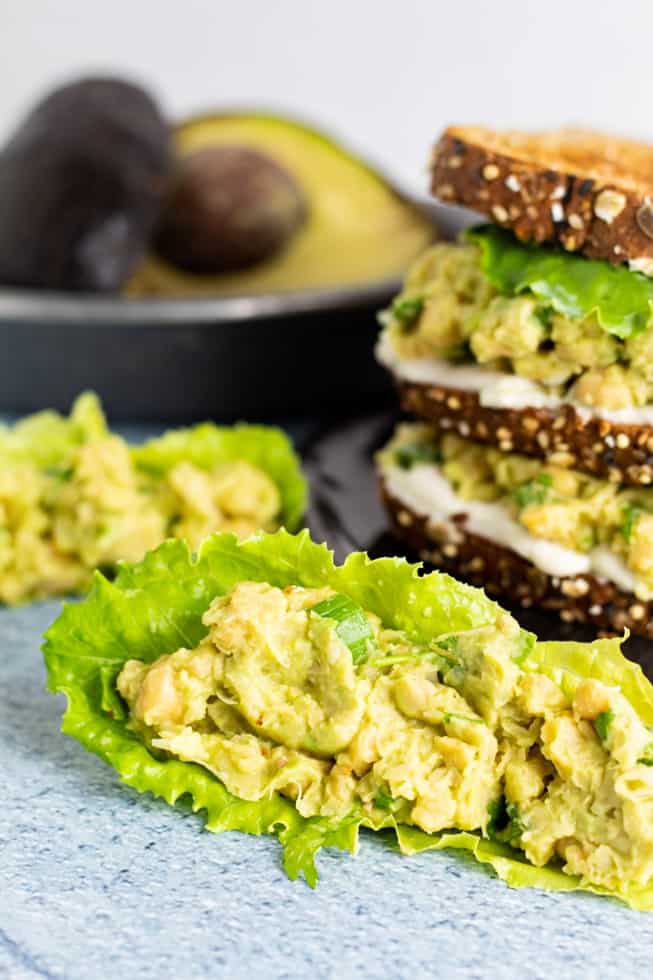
column 98, row 881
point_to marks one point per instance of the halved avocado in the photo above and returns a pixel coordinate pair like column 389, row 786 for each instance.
column 358, row 229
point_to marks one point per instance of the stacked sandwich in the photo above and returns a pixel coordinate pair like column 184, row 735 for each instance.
column 525, row 350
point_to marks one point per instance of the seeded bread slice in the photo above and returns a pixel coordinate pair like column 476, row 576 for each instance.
column 589, row 192
column 503, row 573
column 608, row 450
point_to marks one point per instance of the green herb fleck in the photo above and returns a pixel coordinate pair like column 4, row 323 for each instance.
column 60, row 472
column 545, row 315
column 383, row 800
column 602, row 724
column 533, row 492
column 497, row 817
column 647, row 758
column 505, row 822
column 632, row 514
column 451, row 643
column 407, row 311
column 460, row 354
column 413, row 453
column 353, row 627
column 517, row 825
column 452, row 716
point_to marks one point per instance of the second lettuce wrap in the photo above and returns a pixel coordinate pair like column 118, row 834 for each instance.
column 156, row 606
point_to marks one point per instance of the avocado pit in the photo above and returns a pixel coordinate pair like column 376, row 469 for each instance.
column 229, row 208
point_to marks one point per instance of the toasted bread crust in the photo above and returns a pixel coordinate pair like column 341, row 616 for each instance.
column 504, row 573
column 616, row 452
column 587, row 192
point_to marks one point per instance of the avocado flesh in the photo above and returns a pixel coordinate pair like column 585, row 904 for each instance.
column 450, row 736
column 358, row 229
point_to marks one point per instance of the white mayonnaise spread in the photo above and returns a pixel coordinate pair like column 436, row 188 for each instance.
column 425, row 491
column 496, row 389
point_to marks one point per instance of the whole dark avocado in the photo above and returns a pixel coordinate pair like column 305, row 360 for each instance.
column 230, row 207
column 82, row 182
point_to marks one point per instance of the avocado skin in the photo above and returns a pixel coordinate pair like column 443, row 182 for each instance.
column 81, row 186
column 229, row 208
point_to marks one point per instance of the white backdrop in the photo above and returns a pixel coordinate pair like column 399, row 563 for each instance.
column 383, row 75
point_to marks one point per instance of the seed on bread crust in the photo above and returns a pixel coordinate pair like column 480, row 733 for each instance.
column 645, row 218
column 609, row 204
column 617, row 452
column 605, row 185
column 502, row 572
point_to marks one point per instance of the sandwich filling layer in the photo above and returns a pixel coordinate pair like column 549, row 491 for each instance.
column 564, row 522
column 475, row 316
column 496, row 389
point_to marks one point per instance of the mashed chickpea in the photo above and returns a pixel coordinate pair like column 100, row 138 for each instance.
column 447, row 735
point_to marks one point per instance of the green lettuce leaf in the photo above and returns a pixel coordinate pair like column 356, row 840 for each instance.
column 155, row 606
column 206, row 445
column 571, row 285
column 46, row 438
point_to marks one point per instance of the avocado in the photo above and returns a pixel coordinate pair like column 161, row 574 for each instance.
column 357, row 228
column 229, row 208
column 81, row 185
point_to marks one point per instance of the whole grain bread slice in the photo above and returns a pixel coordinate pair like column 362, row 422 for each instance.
column 505, row 574
column 615, row 451
column 587, row 191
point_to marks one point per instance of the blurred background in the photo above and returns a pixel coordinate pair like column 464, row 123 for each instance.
column 384, row 76
column 104, row 200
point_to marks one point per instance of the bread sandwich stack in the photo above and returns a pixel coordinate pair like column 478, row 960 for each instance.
column 525, row 352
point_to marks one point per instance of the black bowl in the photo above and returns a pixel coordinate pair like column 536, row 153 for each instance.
column 307, row 352
column 282, row 355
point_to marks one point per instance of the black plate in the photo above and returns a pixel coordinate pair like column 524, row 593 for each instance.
column 346, row 512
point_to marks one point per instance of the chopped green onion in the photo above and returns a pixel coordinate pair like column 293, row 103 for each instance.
column 545, row 315
column 517, row 825
column 497, row 817
column 412, row 453
column 647, row 758
column 353, row 628
column 450, row 643
column 407, row 311
column 602, row 724
column 383, row 800
column 505, row 822
column 632, row 514
column 533, row 492
column 452, row 716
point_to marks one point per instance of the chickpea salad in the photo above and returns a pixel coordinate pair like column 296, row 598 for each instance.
column 579, row 330
column 75, row 497
column 593, row 524
column 284, row 694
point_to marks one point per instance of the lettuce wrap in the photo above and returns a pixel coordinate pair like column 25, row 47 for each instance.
column 156, row 606
column 74, row 496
